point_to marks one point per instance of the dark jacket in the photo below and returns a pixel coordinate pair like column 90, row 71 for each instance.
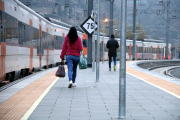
column 112, row 45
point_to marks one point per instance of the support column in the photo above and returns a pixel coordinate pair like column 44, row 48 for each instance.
column 89, row 45
column 111, row 18
column 122, row 69
column 167, row 30
column 134, row 31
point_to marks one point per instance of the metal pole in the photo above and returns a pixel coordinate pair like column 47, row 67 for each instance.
column 175, row 48
column 75, row 16
column 93, row 52
column 89, row 50
column 111, row 18
column 119, row 27
column 103, row 44
column 97, row 57
column 142, row 50
column 122, row 71
column 148, row 47
column 134, row 31
column 161, row 50
column 167, row 29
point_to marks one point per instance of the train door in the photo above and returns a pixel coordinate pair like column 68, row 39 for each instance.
column 2, row 56
column 130, row 51
column 39, row 50
column 164, row 53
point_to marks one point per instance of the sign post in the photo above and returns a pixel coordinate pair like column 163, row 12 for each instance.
column 88, row 26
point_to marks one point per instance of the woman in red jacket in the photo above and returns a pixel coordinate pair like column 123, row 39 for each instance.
column 71, row 48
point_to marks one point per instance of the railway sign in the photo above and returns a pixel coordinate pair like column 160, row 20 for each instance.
column 88, row 25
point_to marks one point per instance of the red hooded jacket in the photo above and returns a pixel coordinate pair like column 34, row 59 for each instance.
column 73, row 49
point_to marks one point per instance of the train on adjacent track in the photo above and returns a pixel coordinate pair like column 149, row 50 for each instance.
column 145, row 50
column 30, row 42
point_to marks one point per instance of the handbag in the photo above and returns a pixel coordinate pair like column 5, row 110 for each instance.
column 82, row 62
column 61, row 71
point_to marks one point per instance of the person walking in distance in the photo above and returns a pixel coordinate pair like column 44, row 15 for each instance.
column 112, row 45
column 71, row 48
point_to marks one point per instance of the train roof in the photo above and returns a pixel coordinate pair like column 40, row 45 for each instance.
column 152, row 40
column 46, row 19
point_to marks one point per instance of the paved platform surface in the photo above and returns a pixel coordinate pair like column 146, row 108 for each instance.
column 100, row 100
column 146, row 98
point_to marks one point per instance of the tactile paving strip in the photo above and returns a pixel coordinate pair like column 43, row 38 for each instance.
column 16, row 106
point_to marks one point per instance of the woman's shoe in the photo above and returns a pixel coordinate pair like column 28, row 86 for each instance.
column 74, row 85
column 70, row 84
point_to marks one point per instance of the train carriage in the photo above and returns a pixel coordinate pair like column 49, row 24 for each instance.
column 144, row 50
column 29, row 41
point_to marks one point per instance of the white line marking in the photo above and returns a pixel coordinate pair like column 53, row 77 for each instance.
column 33, row 107
column 156, row 86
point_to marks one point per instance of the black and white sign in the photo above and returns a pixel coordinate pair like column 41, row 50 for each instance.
column 88, row 25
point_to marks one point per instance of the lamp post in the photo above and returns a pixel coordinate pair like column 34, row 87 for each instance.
column 111, row 17
column 105, row 20
column 175, row 48
column 134, row 45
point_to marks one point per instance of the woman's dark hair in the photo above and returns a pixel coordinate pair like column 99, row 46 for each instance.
column 72, row 35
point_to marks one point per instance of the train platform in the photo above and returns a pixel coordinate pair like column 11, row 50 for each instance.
column 43, row 96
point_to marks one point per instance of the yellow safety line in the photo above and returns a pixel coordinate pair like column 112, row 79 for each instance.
column 33, row 107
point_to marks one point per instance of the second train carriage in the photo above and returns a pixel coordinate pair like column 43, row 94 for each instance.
column 144, row 50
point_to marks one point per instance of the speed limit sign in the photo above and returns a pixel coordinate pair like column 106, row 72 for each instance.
column 88, row 25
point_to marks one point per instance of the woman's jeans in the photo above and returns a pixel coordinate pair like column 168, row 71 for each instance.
column 72, row 62
column 114, row 58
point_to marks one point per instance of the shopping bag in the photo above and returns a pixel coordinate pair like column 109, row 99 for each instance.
column 61, row 70
column 82, row 62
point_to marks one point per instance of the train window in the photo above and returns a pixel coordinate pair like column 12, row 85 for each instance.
column 159, row 50
column 145, row 50
column 58, row 43
column 26, row 40
column 35, row 34
column 127, row 49
column 139, row 50
column 10, row 29
column 84, row 43
column 15, row 8
column 105, row 48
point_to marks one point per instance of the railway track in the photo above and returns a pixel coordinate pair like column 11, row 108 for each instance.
column 172, row 71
